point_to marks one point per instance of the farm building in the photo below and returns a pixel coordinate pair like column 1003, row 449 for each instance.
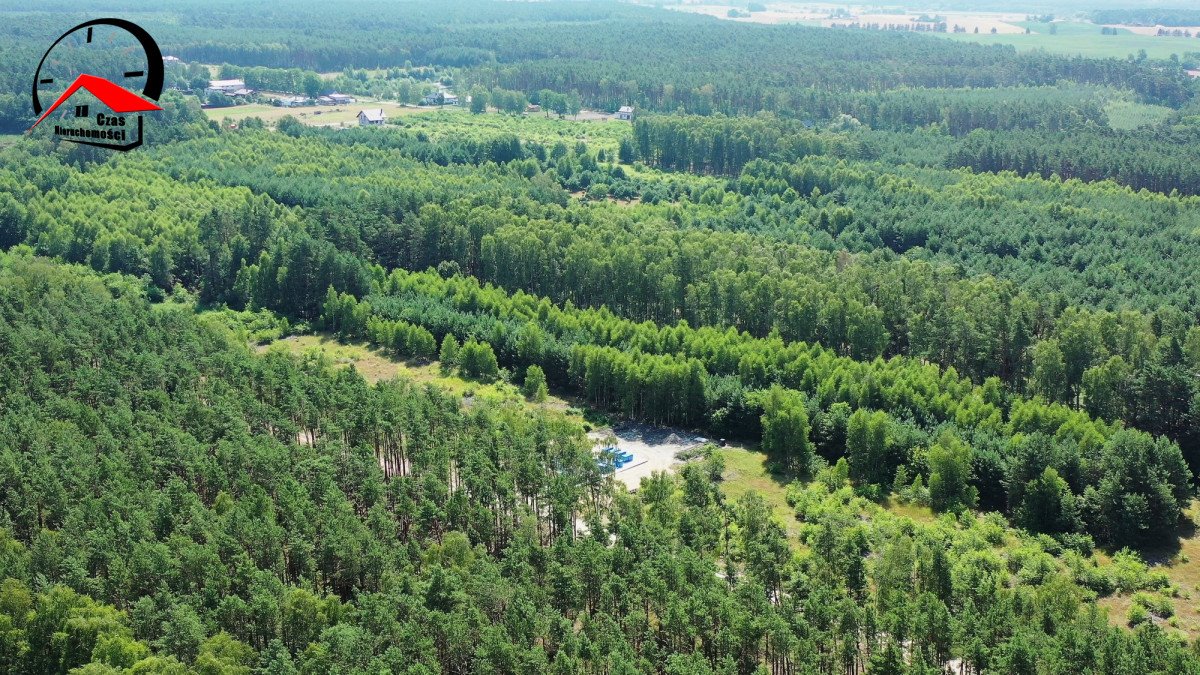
column 340, row 98
column 440, row 98
column 292, row 101
column 226, row 86
column 625, row 113
column 368, row 118
column 1194, row 73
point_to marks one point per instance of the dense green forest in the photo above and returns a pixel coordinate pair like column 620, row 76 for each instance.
column 938, row 287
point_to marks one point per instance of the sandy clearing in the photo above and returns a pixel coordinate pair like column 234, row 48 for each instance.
column 653, row 449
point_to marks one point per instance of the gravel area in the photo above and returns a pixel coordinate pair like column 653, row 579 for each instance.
column 653, row 449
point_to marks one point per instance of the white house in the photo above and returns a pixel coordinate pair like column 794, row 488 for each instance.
column 226, row 86
column 450, row 99
column 368, row 118
column 292, row 101
column 625, row 113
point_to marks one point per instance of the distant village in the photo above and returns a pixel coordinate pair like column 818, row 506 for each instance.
column 237, row 91
column 220, row 93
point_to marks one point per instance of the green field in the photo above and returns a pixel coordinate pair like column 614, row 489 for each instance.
column 1084, row 39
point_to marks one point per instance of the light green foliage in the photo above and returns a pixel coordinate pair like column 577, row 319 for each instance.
column 785, row 430
column 949, row 461
column 534, row 386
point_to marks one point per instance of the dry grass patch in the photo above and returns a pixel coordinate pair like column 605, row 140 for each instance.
column 376, row 366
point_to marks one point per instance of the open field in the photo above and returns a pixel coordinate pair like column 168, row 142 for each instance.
column 339, row 115
column 1085, row 39
column 819, row 14
column 1153, row 30
column 984, row 22
column 1071, row 37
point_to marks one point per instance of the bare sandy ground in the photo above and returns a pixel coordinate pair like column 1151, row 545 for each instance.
column 653, row 448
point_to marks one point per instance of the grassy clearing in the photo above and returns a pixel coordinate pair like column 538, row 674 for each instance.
column 1181, row 564
column 914, row 512
column 376, row 366
column 747, row 470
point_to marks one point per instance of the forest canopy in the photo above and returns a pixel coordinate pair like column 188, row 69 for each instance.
column 934, row 300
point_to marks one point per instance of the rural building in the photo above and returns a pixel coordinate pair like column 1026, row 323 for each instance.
column 324, row 100
column 440, row 98
column 292, row 101
column 368, row 118
column 170, row 59
column 226, row 86
column 533, row 107
column 340, row 98
column 242, row 92
column 625, row 113
column 1194, row 73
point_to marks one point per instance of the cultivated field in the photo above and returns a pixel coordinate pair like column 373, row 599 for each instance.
column 1068, row 37
column 1085, row 39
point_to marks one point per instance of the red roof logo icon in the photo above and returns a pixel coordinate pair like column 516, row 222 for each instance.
column 118, row 99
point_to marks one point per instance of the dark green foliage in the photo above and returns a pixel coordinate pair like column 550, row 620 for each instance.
column 813, row 270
